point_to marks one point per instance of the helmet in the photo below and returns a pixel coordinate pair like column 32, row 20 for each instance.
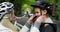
column 36, row 4
column 47, row 6
column 5, row 7
column 43, row 5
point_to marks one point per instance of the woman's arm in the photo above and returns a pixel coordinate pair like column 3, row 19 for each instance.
column 26, row 27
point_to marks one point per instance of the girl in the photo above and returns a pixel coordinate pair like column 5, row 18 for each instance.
column 46, row 9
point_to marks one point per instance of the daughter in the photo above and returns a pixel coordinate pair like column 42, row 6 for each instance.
column 46, row 9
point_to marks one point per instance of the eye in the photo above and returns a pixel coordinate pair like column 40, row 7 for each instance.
column 2, row 11
column 36, row 12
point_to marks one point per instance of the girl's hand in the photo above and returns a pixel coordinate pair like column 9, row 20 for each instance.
column 40, row 19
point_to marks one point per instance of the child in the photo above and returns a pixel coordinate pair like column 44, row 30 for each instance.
column 46, row 9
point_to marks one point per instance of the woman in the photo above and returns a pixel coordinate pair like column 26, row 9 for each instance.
column 6, row 8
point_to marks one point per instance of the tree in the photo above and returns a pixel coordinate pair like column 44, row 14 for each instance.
column 19, row 4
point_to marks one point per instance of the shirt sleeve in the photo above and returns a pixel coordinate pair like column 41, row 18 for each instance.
column 36, row 27
column 25, row 28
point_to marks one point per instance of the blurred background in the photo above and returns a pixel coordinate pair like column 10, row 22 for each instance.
column 22, row 6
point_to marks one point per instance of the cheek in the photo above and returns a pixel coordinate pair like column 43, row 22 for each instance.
column 43, row 12
column 13, row 17
column 37, row 14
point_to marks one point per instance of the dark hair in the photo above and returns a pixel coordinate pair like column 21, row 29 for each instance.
column 46, row 6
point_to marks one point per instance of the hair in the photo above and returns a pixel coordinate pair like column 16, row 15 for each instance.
column 47, row 6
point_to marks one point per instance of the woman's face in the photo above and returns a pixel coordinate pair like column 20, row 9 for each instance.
column 13, row 16
column 37, row 11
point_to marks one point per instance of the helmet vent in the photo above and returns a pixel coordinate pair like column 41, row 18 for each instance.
column 3, row 7
column 2, row 11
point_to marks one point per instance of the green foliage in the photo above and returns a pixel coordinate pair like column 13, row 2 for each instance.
column 51, row 1
column 57, row 15
column 22, row 5
column 58, row 8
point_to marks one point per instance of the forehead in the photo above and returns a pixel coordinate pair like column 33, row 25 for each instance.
column 36, row 8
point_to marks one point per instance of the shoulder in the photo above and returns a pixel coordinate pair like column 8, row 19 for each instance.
column 4, row 29
column 48, row 20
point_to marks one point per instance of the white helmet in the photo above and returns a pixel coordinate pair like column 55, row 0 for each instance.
column 5, row 7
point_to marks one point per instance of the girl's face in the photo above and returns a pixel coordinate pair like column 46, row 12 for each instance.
column 37, row 11
column 44, row 12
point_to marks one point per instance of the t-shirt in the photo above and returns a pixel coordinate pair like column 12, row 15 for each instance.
column 48, row 20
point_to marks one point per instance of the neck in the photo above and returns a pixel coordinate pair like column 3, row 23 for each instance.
column 45, row 16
